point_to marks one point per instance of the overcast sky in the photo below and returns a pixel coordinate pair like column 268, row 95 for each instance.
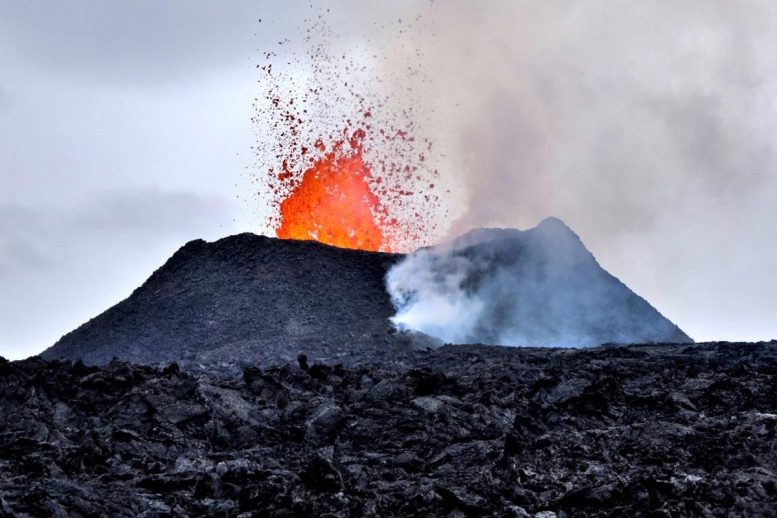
column 650, row 129
column 124, row 132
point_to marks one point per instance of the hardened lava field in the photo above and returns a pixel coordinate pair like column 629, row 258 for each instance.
column 459, row 431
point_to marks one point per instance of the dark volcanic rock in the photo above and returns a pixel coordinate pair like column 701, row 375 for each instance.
column 461, row 431
column 246, row 298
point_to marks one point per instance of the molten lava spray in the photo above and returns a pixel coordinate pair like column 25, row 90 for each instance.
column 334, row 204
column 342, row 163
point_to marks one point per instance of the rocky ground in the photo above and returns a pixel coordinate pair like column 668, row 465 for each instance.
column 457, row 431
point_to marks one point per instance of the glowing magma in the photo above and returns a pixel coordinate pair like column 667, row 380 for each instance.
column 333, row 204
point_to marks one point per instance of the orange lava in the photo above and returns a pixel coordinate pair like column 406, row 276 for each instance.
column 333, row 204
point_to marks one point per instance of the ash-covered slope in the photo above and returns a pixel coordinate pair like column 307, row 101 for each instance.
column 245, row 298
column 260, row 300
column 538, row 287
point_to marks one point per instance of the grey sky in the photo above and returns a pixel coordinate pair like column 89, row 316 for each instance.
column 649, row 128
column 124, row 132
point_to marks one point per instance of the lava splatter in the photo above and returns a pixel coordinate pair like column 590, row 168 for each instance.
column 339, row 162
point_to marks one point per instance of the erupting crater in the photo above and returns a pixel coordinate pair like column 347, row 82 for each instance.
column 334, row 204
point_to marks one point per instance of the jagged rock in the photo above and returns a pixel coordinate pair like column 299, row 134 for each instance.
column 460, row 431
column 429, row 404
column 323, row 424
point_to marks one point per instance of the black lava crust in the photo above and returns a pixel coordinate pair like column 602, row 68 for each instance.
column 459, row 431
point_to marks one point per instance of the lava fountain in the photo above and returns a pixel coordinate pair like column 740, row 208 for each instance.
column 333, row 203
column 344, row 165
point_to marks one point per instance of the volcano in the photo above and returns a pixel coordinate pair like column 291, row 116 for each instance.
column 260, row 300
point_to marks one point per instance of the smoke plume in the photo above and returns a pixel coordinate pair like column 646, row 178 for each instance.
column 648, row 127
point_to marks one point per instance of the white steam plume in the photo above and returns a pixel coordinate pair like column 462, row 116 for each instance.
column 427, row 292
column 540, row 287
